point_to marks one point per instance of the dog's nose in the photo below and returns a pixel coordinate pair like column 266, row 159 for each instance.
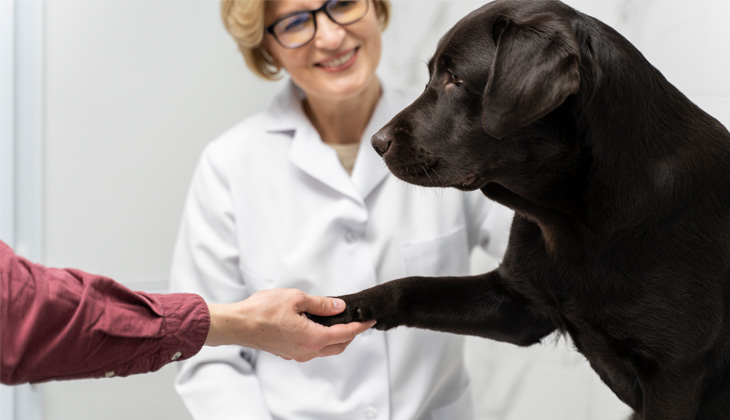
column 381, row 142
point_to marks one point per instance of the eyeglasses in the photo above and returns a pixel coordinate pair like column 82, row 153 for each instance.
column 297, row 29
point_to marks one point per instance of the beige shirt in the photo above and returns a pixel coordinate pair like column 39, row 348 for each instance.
column 347, row 154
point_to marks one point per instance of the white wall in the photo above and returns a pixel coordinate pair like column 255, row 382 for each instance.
column 136, row 88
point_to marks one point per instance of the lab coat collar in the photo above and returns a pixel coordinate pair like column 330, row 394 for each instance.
column 286, row 112
column 315, row 158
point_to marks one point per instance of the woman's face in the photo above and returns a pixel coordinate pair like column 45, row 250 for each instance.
column 339, row 62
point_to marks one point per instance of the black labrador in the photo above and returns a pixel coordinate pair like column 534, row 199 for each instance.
column 621, row 192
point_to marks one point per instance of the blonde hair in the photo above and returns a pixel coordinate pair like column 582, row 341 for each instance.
column 244, row 20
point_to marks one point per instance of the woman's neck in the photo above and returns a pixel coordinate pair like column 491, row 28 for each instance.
column 343, row 121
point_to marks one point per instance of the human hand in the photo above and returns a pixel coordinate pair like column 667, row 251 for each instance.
column 275, row 321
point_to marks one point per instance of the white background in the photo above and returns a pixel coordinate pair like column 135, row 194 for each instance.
column 135, row 88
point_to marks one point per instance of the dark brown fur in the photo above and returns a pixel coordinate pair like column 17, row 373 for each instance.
column 621, row 190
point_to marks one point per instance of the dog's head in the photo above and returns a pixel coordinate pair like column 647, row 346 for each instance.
column 489, row 109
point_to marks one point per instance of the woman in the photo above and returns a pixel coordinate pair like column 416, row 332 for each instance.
column 296, row 197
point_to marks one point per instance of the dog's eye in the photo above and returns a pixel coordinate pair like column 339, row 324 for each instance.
column 455, row 79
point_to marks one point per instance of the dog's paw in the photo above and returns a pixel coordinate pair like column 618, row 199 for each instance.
column 350, row 314
column 386, row 323
column 367, row 305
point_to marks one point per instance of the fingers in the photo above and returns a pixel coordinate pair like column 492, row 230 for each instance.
column 343, row 333
column 360, row 327
column 322, row 306
column 352, row 329
column 330, row 350
column 334, row 349
column 332, row 340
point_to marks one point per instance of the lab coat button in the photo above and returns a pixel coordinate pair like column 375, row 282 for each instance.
column 109, row 374
column 350, row 237
column 176, row 355
column 371, row 412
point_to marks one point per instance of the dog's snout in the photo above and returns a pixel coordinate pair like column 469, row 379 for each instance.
column 381, row 141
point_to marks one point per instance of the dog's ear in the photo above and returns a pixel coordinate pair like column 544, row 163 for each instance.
column 535, row 68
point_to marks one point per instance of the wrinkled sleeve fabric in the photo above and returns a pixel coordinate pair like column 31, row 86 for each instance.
column 67, row 324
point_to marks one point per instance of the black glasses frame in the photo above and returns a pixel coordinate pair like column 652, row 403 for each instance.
column 270, row 29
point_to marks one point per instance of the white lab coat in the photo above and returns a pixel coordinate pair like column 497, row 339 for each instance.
column 271, row 206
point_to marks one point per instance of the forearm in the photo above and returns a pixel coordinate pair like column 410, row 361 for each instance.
column 223, row 320
column 66, row 324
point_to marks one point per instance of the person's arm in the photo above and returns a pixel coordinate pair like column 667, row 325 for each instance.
column 68, row 324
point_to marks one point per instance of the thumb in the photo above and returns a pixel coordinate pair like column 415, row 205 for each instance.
column 322, row 306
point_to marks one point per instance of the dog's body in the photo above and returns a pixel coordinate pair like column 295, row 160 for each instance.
column 621, row 190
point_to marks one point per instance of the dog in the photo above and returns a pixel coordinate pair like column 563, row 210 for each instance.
column 621, row 192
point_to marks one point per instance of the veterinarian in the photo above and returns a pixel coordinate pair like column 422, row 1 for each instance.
column 68, row 324
column 295, row 196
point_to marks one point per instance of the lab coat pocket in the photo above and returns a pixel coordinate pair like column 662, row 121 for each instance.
column 445, row 255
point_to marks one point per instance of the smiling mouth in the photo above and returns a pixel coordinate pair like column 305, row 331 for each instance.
column 338, row 61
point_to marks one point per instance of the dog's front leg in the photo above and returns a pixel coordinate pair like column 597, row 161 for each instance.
column 476, row 305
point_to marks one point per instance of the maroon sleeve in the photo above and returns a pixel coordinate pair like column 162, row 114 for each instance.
column 68, row 324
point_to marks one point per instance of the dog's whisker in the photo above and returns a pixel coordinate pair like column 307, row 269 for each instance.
column 436, row 173
column 425, row 169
